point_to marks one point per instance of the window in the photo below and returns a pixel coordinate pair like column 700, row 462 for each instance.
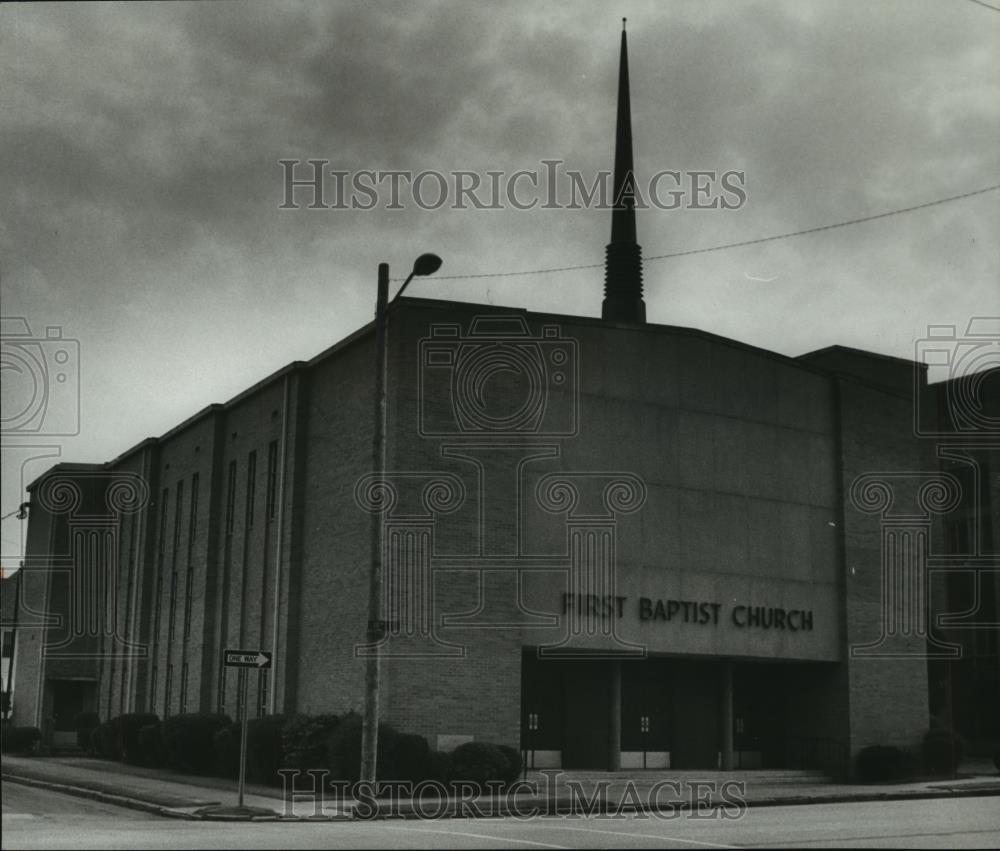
column 166, row 690
column 184, row 686
column 272, row 479
column 262, row 693
column 188, row 599
column 231, row 498
column 193, row 521
column 251, row 487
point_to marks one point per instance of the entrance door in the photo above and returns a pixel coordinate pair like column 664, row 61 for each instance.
column 759, row 708
column 646, row 708
column 696, row 696
column 588, row 715
column 69, row 699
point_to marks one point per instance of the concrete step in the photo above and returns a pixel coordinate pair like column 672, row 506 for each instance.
column 775, row 777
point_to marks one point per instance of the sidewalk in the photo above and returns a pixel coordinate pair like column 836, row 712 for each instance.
column 176, row 795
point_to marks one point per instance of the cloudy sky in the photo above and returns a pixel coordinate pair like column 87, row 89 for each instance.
column 140, row 211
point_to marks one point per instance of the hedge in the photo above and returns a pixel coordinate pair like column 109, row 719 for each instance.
column 188, row 740
column 107, row 740
column 514, row 764
column 20, row 740
column 151, row 748
column 942, row 751
column 129, row 726
column 265, row 748
column 480, row 763
column 86, row 723
column 880, row 763
column 305, row 740
column 226, row 751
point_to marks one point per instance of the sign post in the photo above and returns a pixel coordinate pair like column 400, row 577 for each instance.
column 244, row 659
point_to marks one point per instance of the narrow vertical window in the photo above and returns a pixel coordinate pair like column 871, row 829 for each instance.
column 251, row 487
column 231, row 498
column 272, row 479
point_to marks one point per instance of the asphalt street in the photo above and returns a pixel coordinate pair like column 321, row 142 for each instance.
column 36, row 818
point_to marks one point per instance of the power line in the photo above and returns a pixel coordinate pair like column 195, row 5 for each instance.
column 985, row 5
column 728, row 245
column 827, row 227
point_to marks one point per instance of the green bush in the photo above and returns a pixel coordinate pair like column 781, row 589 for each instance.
column 130, row 724
column 20, row 740
column 942, row 751
column 305, row 739
column 188, row 740
column 881, row 763
column 479, row 762
column 150, row 742
column 85, row 723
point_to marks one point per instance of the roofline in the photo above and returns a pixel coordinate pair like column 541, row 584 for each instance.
column 217, row 407
column 443, row 304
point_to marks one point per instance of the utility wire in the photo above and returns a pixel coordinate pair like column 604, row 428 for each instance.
column 985, row 5
column 728, row 245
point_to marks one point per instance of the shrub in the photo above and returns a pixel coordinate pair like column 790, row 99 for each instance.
column 996, row 759
column 305, row 738
column 514, row 764
column 394, row 755
column 344, row 749
column 942, row 751
column 130, row 724
column 188, row 739
column 109, row 739
column 86, row 723
column 226, row 751
column 879, row 763
column 265, row 748
column 150, row 742
column 20, row 740
column 438, row 767
column 405, row 757
column 479, row 762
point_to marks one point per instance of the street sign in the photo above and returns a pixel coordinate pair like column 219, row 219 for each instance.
column 246, row 659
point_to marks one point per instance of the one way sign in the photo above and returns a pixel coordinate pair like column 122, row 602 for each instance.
column 246, row 659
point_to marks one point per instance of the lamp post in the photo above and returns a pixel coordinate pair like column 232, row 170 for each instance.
column 425, row 264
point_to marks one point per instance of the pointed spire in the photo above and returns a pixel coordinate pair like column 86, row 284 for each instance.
column 623, row 263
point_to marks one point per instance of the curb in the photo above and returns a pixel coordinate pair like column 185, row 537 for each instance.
column 97, row 795
column 548, row 806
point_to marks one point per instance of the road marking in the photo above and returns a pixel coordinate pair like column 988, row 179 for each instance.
column 487, row 837
column 18, row 815
column 655, row 838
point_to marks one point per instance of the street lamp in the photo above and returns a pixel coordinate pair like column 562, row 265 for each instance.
column 425, row 264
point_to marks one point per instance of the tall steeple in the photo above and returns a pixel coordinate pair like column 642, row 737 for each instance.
column 623, row 261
